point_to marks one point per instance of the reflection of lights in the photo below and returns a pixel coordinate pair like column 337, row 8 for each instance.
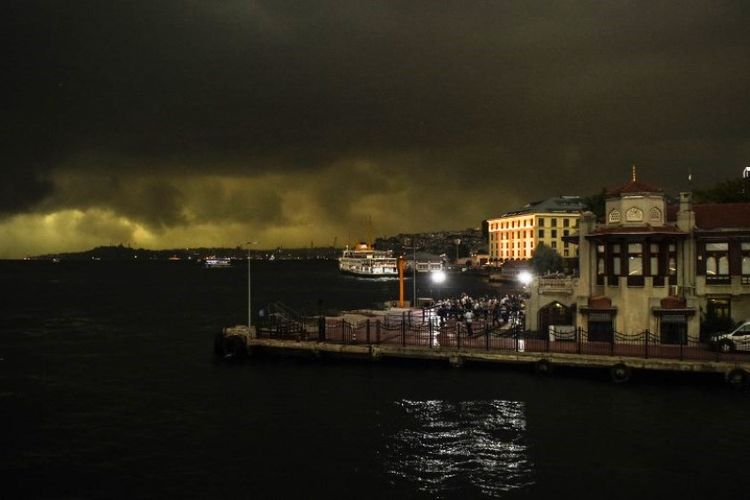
column 437, row 276
column 524, row 277
column 442, row 445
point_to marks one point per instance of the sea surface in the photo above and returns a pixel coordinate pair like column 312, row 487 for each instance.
column 109, row 389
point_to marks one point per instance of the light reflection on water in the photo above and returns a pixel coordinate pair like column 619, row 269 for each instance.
column 447, row 446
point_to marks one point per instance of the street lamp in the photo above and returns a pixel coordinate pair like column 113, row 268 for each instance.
column 438, row 277
column 413, row 271
column 249, row 287
column 525, row 278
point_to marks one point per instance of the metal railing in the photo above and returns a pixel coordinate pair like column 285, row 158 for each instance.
column 428, row 331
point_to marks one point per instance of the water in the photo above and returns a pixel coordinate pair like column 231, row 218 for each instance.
column 108, row 389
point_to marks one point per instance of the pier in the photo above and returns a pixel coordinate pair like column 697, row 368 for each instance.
column 419, row 334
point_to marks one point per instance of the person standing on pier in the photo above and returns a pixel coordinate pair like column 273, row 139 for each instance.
column 469, row 318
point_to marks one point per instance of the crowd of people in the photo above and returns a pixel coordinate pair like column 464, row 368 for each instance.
column 493, row 310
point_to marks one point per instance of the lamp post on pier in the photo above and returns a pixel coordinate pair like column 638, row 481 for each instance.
column 413, row 248
column 249, row 287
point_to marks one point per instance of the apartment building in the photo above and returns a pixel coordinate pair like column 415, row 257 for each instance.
column 515, row 234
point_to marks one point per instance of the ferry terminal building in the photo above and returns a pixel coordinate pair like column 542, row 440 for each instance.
column 650, row 266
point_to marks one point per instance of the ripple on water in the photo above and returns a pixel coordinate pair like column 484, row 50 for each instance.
column 446, row 446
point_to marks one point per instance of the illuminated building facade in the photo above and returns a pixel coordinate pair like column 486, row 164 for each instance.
column 514, row 235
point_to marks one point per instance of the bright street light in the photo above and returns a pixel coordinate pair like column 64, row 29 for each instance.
column 525, row 278
column 437, row 277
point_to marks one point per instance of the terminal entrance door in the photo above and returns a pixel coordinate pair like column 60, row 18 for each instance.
column 600, row 327
column 554, row 314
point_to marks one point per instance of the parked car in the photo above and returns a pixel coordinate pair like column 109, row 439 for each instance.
column 736, row 340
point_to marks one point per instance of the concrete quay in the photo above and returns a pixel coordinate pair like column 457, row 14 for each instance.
column 240, row 342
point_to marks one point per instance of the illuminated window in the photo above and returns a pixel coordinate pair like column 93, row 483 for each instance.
column 717, row 263
column 654, row 259
column 635, row 259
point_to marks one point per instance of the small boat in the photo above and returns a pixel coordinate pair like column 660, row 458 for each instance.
column 217, row 262
column 364, row 260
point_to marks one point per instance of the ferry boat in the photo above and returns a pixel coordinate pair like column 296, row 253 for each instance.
column 217, row 262
column 363, row 260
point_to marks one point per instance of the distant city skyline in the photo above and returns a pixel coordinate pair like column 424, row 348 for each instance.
column 180, row 124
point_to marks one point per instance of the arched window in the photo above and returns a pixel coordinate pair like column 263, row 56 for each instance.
column 655, row 215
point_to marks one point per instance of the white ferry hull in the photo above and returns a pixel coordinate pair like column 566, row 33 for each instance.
column 365, row 261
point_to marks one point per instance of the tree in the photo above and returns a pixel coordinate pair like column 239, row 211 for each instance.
column 596, row 203
column 729, row 191
column 546, row 260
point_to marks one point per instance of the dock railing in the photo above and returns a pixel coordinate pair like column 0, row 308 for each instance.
column 429, row 331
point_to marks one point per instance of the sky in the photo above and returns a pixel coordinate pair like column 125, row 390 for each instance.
column 171, row 124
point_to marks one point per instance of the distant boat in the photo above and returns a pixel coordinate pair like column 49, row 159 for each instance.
column 363, row 260
column 174, row 257
column 217, row 262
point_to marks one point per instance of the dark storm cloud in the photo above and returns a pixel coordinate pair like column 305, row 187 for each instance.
column 494, row 102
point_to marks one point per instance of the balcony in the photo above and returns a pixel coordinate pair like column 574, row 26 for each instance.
column 556, row 285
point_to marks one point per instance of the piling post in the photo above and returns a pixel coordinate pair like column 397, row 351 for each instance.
column 682, row 341
column 431, row 332
column 322, row 328
column 403, row 329
column 578, row 339
column 368, row 330
column 646, row 350
column 487, row 336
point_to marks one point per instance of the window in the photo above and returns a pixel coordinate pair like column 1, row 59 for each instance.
column 566, row 222
column 541, row 221
column 616, row 267
column 718, row 308
column 614, row 216
column 672, row 263
column 654, row 259
column 566, row 232
column 566, row 252
column 745, row 249
column 635, row 259
column 554, row 233
column 600, row 269
column 554, row 244
column 654, row 214
column 553, row 221
column 635, row 264
column 541, row 233
column 717, row 263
